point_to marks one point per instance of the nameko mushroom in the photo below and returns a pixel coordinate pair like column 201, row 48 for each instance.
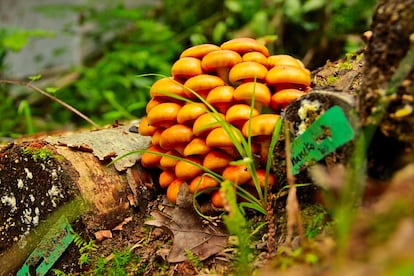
column 211, row 85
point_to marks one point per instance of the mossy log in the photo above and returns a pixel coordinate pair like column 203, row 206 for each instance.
column 70, row 175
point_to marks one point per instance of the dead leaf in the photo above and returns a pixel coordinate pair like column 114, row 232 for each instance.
column 103, row 234
column 120, row 226
column 189, row 230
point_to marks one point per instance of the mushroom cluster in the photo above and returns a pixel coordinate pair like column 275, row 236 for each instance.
column 226, row 77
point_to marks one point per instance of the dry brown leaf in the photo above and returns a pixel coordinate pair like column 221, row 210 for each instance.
column 189, row 230
column 120, row 226
column 103, row 234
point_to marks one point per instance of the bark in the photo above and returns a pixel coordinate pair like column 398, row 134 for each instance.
column 386, row 98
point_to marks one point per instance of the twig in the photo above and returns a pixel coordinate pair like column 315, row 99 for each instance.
column 53, row 98
column 292, row 205
column 271, row 226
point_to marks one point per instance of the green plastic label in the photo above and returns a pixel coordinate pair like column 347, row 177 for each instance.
column 53, row 245
column 330, row 131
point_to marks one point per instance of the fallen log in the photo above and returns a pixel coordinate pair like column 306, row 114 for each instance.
column 71, row 175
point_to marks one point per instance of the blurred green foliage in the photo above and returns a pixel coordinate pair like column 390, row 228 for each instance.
column 148, row 39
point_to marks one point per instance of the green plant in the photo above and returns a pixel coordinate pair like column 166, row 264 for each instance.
column 85, row 248
column 195, row 261
column 236, row 223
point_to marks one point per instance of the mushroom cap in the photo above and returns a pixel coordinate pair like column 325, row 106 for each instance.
column 262, row 124
column 199, row 51
column 238, row 114
column 220, row 138
column 221, row 97
column 186, row 67
column 167, row 161
column 206, row 122
column 186, row 170
column 164, row 87
column 277, row 60
column 220, row 59
column 144, row 128
column 216, row 199
column 173, row 189
column 245, row 44
column 154, row 102
column 284, row 97
column 151, row 160
column 190, row 112
column 166, row 178
column 255, row 57
column 175, row 135
column 202, row 182
column 164, row 114
column 261, row 176
column 288, row 74
column 244, row 92
column 197, row 146
column 201, row 84
column 216, row 160
column 238, row 174
column 247, row 71
column 155, row 139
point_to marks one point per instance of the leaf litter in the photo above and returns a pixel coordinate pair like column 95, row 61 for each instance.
column 188, row 229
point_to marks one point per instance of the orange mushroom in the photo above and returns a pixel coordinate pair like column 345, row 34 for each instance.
column 216, row 199
column 145, row 129
column 238, row 174
column 201, row 84
column 277, row 60
column 167, row 88
column 202, row 182
column 199, row 51
column 163, row 115
column 245, row 44
column 262, row 124
column 261, row 177
column 166, row 178
column 221, row 97
column 256, row 57
column 261, row 129
column 168, row 161
column 247, row 71
column 206, row 122
column 154, row 102
column 173, row 189
column 150, row 159
column 220, row 138
column 186, row 67
column 261, row 92
column 197, row 146
column 284, row 97
column 187, row 170
column 294, row 77
column 190, row 112
column 220, row 62
column 238, row 114
column 155, row 139
column 175, row 135
column 216, row 160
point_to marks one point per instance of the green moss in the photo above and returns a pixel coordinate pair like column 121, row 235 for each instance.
column 331, row 79
column 315, row 219
column 39, row 153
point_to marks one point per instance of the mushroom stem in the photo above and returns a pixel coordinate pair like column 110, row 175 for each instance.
column 223, row 73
